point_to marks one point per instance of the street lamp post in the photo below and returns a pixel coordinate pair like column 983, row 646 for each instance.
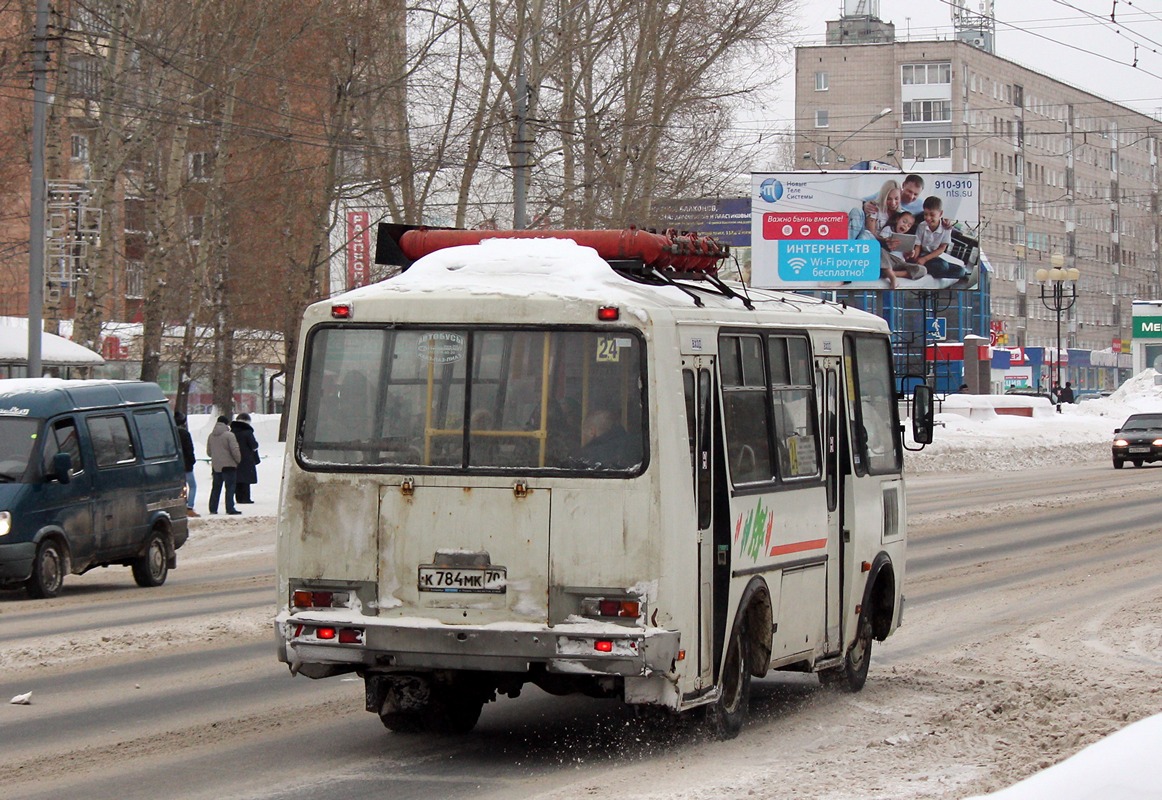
column 1058, row 294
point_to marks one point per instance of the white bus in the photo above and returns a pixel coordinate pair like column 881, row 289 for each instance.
column 532, row 461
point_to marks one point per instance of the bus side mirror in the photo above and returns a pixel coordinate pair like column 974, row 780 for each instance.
column 62, row 466
column 923, row 414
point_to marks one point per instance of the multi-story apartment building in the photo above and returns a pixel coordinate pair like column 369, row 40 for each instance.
column 1068, row 179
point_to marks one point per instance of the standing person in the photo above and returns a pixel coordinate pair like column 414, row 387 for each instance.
column 1066, row 394
column 225, row 456
column 189, row 459
column 248, row 467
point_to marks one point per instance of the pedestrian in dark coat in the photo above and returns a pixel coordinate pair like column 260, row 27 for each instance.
column 247, row 474
column 188, row 459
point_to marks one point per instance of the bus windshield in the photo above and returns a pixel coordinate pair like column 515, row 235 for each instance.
column 455, row 399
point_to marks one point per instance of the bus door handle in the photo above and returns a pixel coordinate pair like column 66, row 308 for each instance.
column 723, row 555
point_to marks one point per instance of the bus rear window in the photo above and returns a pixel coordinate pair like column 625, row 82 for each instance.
column 483, row 399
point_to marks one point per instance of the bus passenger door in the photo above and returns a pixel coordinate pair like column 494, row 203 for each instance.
column 698, row 379
column 835, row 468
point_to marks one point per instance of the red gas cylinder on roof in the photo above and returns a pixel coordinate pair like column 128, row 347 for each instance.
column 686, row 253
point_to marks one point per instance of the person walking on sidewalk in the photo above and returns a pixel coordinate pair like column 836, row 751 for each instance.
column 189, row 459
column 225, row 456
column 248, row 466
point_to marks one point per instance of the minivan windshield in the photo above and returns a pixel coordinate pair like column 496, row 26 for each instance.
column 455, row 399
column 17, row 442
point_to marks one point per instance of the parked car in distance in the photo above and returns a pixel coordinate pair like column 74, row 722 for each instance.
column 91, row 474
column 1091, row 394
column 1023, row 392
column 1138, row 441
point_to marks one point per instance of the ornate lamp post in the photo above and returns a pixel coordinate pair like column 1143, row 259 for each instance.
column 1058, row 294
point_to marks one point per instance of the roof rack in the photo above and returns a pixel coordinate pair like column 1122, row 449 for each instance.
column 644, row 256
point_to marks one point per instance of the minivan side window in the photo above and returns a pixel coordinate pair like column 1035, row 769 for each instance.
column 157, row 440
column 62, row 438
column 112, row 443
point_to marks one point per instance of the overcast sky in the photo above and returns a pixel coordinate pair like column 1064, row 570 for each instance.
column 1070, row 40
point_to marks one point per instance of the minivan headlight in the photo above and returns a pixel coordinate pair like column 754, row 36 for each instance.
column 5, row 522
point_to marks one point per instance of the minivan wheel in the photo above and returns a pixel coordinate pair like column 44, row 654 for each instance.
column 152, row 568
column 48, row 570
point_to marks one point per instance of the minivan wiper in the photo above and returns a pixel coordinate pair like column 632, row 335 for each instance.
column 5, row 478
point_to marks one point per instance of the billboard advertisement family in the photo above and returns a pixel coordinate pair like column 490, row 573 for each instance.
column 865, row 230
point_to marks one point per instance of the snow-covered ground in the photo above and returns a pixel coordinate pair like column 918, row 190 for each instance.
column 971, row 437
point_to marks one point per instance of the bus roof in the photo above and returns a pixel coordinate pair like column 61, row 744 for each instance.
column 558, row 270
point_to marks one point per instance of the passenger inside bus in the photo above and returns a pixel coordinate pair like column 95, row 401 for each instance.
column 605, row 443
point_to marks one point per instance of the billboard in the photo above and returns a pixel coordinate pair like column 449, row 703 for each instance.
column 726, row 219
column 865, row 230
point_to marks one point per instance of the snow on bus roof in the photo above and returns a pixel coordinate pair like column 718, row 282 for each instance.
column 494, row 258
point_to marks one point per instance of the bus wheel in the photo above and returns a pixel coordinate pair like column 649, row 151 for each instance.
column 454, row 712
column 402, row 721
column 152, row 567
column 853, row 672
column 728, row 714
column 48, row 570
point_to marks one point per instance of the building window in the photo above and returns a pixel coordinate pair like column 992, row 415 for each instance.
column 80, row 148
column 928, row 111
column 200, row 166
column 134, row 280
column 821, row 118
column 822, row 154
column 134, row 215
column 84, row 76
column 930, row 148
column 196, row 229
column 922, row 74
column 821, row 82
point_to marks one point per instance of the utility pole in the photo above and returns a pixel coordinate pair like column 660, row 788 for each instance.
column 37, row 209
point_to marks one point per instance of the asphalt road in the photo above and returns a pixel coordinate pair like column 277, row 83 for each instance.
column 178, row 701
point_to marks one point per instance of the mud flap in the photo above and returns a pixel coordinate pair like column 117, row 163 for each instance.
column 387, row 694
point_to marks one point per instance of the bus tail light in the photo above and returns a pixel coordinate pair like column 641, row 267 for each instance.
column 327, row 633
column 318, row 598
column 607, row 607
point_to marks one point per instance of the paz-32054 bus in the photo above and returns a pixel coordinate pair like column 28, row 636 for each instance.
column 553, row 461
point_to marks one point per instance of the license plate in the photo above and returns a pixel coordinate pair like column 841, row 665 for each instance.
column 1139, row 449
column 463, row 580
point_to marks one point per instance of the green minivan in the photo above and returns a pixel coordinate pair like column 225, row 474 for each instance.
column 91, row 474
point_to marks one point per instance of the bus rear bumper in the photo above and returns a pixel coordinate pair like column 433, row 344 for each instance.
column 317, row 646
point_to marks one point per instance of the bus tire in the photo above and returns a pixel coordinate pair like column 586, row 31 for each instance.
column 402, row 721
column 454, row 712
column 728, row 714
column 856, row 662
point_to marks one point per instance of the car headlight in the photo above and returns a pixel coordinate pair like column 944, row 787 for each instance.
column 5, row 522
column 1121, row 443
column 1158, row 442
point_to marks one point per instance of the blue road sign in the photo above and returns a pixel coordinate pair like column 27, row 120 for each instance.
column 937, row 329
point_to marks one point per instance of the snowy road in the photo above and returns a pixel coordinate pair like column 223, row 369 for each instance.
column 1034, row 606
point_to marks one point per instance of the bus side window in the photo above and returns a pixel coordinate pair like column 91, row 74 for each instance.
column 744, row 401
